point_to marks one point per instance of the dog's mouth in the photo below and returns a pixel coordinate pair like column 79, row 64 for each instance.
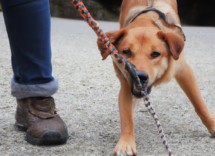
column 145, row 87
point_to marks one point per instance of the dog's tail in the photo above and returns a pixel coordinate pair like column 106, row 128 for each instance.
column 111, row 5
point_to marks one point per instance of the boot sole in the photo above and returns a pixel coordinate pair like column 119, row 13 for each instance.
column 37, row 141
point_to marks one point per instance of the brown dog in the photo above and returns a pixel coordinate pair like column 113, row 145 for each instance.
column 153, row 41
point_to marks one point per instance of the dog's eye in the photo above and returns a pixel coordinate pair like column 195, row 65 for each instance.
column 126, row 51
column 155, row 54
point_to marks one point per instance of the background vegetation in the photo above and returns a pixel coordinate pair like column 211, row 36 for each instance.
column 197, row 12
column 64, row 8
column 192, row 12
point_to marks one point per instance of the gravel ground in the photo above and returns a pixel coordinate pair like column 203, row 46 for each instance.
column 87, row 98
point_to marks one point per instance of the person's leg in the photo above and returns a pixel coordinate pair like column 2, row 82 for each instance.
column 28, row 28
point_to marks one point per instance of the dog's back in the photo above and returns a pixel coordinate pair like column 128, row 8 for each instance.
column 168, row 7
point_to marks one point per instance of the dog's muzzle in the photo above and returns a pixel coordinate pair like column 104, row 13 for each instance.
column 144, row 79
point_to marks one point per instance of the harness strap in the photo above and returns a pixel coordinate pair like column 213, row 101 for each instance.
column 161, row 14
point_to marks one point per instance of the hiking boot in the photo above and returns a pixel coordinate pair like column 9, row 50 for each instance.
column 39, row 118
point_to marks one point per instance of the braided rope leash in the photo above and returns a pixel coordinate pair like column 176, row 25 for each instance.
column 153, row 113
column 119, row 59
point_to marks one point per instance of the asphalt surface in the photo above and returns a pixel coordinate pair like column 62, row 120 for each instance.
column 87, row 98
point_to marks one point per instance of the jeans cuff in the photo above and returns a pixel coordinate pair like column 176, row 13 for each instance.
column 21, row 91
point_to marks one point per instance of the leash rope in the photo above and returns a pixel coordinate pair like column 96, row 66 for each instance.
column 127, row 65
column 153, row 113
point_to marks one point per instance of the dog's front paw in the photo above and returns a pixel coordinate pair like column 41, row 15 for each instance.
column 126, row 146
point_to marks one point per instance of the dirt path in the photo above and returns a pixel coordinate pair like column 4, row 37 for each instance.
column 87, row 98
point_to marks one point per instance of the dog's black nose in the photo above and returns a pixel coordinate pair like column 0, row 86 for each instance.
column 142, row 75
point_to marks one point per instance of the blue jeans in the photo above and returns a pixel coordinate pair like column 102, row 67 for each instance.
column 28, row 28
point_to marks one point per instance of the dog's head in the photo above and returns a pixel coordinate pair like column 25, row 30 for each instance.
column 148, row 49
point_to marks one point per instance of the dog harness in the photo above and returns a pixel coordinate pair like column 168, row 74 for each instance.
column 161, row 14
column 131, row 68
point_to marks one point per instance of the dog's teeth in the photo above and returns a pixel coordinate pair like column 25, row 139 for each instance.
column 118, row 153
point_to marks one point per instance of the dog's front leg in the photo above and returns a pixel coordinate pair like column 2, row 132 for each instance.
column 126, row 144
column 187, row 82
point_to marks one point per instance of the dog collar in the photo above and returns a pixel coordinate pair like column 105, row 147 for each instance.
column 161, row 14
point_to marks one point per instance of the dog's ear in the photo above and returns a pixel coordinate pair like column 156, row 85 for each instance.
column 175, row 42
column 114, row 37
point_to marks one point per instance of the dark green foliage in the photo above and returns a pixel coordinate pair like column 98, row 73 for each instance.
column 191, row 12
column 64, row 8
column 197, row 12
column 111, row 5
